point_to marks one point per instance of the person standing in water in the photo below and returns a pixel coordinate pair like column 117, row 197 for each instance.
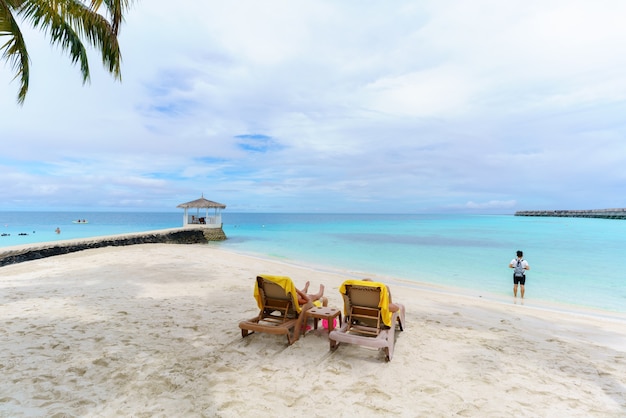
column 519, row 273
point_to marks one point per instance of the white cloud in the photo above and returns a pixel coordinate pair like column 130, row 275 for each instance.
column 366, row 106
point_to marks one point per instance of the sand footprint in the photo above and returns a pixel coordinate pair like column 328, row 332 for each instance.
column 100, row 362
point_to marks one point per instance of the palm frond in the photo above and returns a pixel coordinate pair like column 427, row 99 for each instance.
column 15, row 51
column 98, row 31
column 52, row 19
column 68, row 23
column 116, row 9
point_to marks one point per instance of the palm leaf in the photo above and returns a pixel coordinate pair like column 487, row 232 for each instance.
column 68, row 23
column 15, row 51
column 116, row 9
column 55, row 22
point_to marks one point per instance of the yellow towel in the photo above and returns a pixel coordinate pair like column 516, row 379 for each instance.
column 383, row 303
column 284, row 282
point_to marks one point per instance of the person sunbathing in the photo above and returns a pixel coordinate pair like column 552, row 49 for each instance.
column 392, row 306
column 304, row 297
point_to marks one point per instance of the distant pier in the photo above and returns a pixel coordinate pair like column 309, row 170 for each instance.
column 591, row 213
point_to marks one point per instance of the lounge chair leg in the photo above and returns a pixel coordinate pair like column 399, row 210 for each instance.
column 244, row 333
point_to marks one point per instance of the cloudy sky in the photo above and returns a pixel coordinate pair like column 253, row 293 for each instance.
column 482, row 106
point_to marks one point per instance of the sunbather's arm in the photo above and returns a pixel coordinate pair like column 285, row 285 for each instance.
column 392, row 306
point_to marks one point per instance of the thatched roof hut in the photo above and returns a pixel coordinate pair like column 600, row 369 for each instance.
column 213, row 221
column 201, row 204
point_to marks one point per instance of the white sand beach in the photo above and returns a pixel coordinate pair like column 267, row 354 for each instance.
column 152, row 331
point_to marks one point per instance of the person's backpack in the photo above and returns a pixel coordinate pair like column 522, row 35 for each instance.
column 519, row 269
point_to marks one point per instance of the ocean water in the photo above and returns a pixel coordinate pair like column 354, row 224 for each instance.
column 574, row 261
column 19, row 228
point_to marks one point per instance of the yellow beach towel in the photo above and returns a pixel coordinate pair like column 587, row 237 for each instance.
column 284, row 282
column 383, row 303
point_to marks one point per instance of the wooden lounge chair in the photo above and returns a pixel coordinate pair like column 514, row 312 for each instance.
column 280, row 313
column 367, row 319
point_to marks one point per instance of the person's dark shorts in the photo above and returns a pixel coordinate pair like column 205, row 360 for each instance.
column 519, row 280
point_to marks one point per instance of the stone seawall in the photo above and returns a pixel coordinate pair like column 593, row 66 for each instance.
column 18, row 254
column 592, row 213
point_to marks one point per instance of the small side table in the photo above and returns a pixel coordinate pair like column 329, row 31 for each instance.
column 324, row 312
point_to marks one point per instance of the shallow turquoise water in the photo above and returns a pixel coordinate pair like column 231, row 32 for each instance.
column 573, row 260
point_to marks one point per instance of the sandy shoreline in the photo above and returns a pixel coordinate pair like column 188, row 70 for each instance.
column 151, row 330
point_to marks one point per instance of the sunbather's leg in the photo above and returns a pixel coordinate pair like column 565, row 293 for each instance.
column 302, row 297
column 319, row 294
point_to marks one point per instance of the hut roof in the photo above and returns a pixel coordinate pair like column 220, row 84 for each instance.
column 201, row 203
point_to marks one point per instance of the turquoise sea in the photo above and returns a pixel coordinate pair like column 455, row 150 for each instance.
column 574, row 261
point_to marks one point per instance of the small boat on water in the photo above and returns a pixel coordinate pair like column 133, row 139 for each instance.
column 80, row 221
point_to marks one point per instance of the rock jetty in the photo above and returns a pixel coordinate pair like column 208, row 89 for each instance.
column 18, row 254
column 592, row 213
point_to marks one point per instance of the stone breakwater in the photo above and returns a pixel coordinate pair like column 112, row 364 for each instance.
column 18, row 254
column 592, row 213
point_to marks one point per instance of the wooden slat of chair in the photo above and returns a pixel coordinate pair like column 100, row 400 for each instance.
column 363, row 323
column 275, row 299
column 362, row 320
column 273, row 305
column 277, row 315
